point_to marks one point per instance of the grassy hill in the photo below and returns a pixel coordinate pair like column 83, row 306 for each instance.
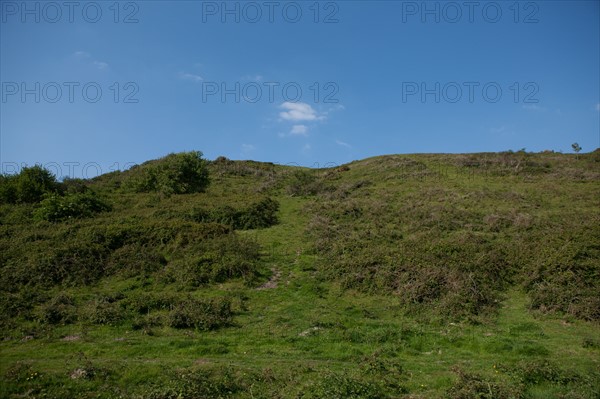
column 399, row 276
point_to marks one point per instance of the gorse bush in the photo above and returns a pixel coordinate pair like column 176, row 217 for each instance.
column 472, row 385
column 55, row 208
column 201, row 314
column 337, row 386
column 305, row 183
column 29, row 186
column 181, row 173
column 259, row 215
column 566, row 278
column 215, row 261
column 59, row 310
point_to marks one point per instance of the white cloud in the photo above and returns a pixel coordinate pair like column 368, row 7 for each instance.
column 343, row 144
column 533, row 107
column 100, row 64
column 298, row 112
column 598, row 107
column 190, row 76
column 299, row 130
column 497, row 130
column 306, row 148
column 84, row 56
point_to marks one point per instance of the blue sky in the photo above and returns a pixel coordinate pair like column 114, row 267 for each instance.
column 304, row 82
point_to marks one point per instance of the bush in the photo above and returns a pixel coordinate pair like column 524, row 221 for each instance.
column 133, row 260
column 75, row 263
column 201, row 314
column 55, row 208
column 471, row 385
column 59, row 310
column 29, row 186
column 566, row 277
column 259, row 215
column 181, row 173
column 305, row 183
column 105, row 310
column 336, row 386
column 216, row 260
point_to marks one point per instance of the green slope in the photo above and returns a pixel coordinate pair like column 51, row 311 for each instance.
column 396, row 276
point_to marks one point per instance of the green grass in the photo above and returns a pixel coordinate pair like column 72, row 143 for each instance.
column 307, row 321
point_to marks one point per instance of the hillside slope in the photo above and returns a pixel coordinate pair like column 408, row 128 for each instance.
column 395, row 276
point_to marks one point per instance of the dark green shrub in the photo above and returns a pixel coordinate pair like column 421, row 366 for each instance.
column 19, row 303
column 105, row 310
column 59, row 310
column 566, row 277
column 181, row 173
column 74, row 186
column 55, row 208
column 215, row 382
column 261, row 214
column 144, row 302
column 338, row 386
column 472, row 385
column 29, row 186
column 533, row 372
column 76, row 263
column 305, row 183
column 201, row 314
column 147, row 322
column 133, row 260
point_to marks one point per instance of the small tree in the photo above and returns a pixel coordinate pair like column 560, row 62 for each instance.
column 180, row 173
column 576, row 147
column 29, row 186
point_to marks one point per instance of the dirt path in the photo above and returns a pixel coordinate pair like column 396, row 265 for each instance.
column 273, row 281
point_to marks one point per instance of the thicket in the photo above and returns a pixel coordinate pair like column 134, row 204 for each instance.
column 261, row 214
column 181, row 173
column 29, row 186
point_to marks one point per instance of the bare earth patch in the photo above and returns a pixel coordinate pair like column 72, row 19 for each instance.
column 273, row 281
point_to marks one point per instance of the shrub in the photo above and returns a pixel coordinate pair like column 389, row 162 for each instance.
column 104, row 310
column 55, row 208
column 181, row 173
column 133, row 260
column 261, row 214
column 74, row 185
column 336, row 386
column 305, row 183
column 471, row 385
column 59, row 310
column 75, row 263
column 566, row 278
column 29, row 186
column 201, row 314
column 144, row 302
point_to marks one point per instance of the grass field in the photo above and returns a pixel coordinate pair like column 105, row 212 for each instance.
column 401, row 276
